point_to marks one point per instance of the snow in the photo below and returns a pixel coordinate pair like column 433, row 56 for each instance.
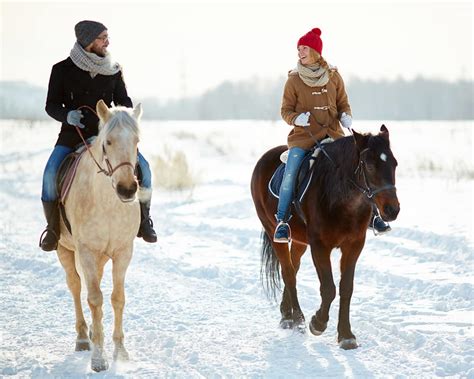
column 195, row 306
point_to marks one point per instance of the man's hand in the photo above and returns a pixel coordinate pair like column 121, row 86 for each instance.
column 74, row 118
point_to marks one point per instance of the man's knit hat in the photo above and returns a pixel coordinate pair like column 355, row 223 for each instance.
column 87, row 31
column 313, row 40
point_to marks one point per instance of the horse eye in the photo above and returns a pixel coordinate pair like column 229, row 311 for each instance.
column 109, row 143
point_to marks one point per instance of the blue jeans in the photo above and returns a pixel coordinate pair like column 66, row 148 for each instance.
column 146, row 172
column 295, row 157
column 60, row 152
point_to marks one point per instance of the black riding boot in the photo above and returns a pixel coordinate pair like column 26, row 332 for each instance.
column 377, row 224
column 50, row 241
column 146, row 224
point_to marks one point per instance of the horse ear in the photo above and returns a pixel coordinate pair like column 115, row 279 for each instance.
column 137, row 111
column 102, row 111
column 360, row 140
column 384, row 132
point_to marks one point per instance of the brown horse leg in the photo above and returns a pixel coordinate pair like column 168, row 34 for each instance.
column 290, row 297
column 350, row 254
column 66, row 257
column 297, row 250
column 322, row 262
column 119, row 269
column 92, row 267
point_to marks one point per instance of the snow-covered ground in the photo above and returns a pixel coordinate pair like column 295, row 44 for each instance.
column 195, row 307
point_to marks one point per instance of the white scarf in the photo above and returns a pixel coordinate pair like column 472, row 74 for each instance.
column 92, row 63
column 313, row 75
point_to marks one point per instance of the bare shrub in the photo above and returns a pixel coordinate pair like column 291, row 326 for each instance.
column 172, row 172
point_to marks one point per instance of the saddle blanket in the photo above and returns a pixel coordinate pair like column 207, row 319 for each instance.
column 304, row 177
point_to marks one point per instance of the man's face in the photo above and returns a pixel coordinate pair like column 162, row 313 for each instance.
column 99, row 46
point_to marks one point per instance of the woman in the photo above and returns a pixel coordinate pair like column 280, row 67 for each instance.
column 314, row 102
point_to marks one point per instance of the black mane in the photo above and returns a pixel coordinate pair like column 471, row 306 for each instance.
column 332, row 176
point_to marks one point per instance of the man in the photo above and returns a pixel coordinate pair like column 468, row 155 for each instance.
column 75, row 86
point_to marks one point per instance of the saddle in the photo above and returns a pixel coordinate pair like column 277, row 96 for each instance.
column 305, row 174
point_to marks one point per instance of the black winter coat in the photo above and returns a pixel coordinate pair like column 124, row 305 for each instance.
column 70, row 87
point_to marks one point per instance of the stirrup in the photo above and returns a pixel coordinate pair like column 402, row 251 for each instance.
column 282, row 238
column 43, row 235
column 381, row 229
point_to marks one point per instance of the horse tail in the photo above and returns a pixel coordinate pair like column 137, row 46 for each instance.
column 270, row 268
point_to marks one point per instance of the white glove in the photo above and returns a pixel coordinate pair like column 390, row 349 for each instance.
column 346, row 120
column 302, row 119
column 74, row 118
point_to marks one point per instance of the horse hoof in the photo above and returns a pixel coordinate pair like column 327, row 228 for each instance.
column 82, row 345
column 286, row 323
column 316, row 327
column 348, row 344
column 99, row 364
column 121, row 354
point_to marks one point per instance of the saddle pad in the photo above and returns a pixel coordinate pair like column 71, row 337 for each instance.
column 304, row 175
column 303, row 180
column 66, row 173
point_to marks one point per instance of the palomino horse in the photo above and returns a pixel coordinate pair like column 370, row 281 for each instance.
column 351, row 174
column 104, row 217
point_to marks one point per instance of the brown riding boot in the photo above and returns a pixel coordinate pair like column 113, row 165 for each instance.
column 51, row 234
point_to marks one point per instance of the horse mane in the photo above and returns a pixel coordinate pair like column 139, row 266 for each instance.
column 120, row 116
column 332, row 176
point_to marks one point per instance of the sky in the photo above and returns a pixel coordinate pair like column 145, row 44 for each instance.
column 172, row 49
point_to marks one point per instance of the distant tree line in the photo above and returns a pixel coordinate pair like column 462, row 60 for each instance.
column 418, row 99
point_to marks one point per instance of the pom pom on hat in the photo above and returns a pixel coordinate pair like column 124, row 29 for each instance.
column 313, row 40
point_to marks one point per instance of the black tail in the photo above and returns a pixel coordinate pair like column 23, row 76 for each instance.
column 270, row 269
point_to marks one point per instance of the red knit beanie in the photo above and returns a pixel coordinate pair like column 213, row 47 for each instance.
column 312, row 40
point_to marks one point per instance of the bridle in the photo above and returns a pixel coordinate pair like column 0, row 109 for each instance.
column 109, row 171
column 360, row 170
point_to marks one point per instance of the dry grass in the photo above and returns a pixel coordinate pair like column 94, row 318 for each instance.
column 172, row 172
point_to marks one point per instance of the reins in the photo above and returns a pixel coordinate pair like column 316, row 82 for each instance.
column 110, row 170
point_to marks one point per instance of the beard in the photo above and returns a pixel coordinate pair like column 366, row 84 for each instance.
column 100, row 52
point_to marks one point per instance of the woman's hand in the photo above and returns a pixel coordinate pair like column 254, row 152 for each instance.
column 302, row 119
column 346, row 120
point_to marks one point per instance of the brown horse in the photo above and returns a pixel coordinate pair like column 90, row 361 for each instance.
column 350, row 176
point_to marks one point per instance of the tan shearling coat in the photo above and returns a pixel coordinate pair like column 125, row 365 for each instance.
column 325, row 104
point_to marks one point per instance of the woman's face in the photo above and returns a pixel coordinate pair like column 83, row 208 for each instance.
column 304, row 55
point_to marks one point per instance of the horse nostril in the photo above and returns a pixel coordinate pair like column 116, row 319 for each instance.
column 127, row 192
column 391, row 211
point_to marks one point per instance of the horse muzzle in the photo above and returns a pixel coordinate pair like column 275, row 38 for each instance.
column 126, row 193
column 390, row 211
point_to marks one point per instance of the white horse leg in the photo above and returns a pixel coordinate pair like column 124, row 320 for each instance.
column 66, row 257
column 119, row 269
column 93, row 269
